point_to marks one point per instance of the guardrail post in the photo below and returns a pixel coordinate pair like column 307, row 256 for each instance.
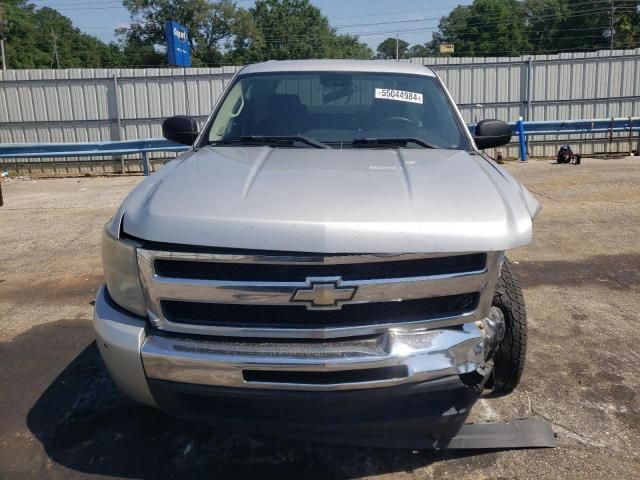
column 610, row 136
column 523, row 145
column 115, row 117
column 529, row 87
column 145, row 164
column 630, row 137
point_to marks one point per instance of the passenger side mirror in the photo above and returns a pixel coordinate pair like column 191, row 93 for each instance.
column 180, row 129
column 492, row 133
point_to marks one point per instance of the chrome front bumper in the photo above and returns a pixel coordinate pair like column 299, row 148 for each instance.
column 120, row 336
column 393, row 358
column 134, row 355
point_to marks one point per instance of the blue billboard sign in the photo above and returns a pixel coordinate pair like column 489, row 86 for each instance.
column 177, row 44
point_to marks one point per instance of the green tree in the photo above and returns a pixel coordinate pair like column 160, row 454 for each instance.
column 146, row 32
column 34, row 33
column 231, row 35
column 546, row 22
column 417, row 51
column 219, row 32
column 246, row 39
column 294, row 29
column 485, row 28
column 593, row 19
column 387, row 48
column 517, row 27
column 348, row 46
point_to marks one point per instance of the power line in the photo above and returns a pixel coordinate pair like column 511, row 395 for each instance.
column 499, row 17
column 306, row 36
column 275, row 43
column 386, row 14
column 404, row 21
column 431, row 29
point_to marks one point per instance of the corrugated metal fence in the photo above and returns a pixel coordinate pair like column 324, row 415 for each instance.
column 77, row 105
column 568, row 86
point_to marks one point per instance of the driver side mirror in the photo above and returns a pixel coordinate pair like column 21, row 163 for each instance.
column 180, row 129
column 492, row 133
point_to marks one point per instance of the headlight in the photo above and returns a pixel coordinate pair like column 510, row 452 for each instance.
column 121, row 273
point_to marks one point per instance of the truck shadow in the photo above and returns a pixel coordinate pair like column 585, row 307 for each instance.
column 85, row 424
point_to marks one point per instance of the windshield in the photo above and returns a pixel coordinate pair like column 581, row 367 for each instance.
column 339, row 110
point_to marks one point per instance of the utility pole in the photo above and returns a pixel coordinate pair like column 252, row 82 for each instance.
column 611, row 30
column 4, row 58
column 397, row 48
column 55, row 50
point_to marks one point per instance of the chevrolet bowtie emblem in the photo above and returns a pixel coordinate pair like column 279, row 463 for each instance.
column 324, row 295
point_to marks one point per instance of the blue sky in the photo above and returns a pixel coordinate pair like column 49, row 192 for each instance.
column 417, row 18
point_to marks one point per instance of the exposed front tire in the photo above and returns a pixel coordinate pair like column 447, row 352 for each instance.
column 510, row 356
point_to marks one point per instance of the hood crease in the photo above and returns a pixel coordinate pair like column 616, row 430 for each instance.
column 255, row 170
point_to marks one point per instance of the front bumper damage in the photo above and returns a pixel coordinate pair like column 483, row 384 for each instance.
column 405, row 389
column 384, row 360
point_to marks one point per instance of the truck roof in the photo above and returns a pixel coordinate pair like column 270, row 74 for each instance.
column 375, row 66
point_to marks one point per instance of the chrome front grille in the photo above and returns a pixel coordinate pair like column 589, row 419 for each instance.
column 314, row 296
column 299, row 272
column 297, row 316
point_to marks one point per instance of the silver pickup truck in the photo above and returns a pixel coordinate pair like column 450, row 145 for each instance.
column 327, row 260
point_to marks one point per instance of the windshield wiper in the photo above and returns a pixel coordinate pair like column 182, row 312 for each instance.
column 271, row 140
column 367, row 142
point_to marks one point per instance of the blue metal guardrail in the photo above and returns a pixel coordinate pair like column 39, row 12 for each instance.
column 90, row 149
column 143, row 147
column 554, row 127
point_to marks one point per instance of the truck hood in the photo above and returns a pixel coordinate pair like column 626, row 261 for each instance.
column 332, row 201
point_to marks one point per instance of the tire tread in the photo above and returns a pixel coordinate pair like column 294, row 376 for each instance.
column 510, row 357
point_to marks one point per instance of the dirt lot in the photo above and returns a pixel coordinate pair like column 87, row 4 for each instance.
column 61, row 417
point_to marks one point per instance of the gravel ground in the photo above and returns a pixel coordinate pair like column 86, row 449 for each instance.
column 61, row 417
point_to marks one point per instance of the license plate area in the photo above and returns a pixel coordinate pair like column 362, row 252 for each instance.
column 336, row 377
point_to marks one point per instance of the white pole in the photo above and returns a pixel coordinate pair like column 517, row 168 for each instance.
column 611, row 34
column 55, row 49
column 397, row 48
column 4, row 59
